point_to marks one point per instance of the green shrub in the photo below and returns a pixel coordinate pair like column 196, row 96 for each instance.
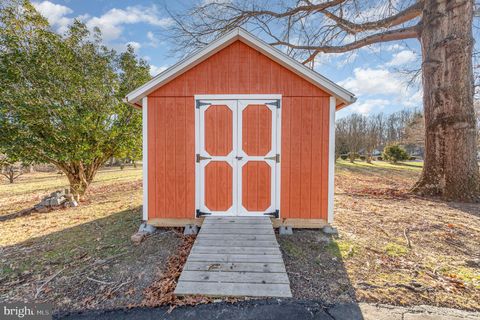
column 412, row 158
column 363, row 158
column 344, row 157
column 395, row 153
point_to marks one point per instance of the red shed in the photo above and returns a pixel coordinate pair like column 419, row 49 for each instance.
column 239, row 128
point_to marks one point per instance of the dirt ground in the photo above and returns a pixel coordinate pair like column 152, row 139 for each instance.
column 392, row 247
column 82, row 257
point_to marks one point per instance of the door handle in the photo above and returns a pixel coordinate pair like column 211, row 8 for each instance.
column 275, row 158
column 238, row 158
column 200, row 158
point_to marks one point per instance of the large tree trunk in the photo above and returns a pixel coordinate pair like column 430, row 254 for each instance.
column 450, row 168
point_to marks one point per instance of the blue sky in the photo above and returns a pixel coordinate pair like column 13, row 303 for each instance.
column 375, row 74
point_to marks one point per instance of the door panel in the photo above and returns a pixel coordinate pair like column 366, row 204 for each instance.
column 218, row 186
column 218, row 130
column 257, row 151
column 256, row 130
column 216, row 159
column 256, row 186
column 236, row 157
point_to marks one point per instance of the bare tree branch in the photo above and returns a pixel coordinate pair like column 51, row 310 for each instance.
column 404, row 16
column 310, row 8
column 391, row 35
column 304, row 28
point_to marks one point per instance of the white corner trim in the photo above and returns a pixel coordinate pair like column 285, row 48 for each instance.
column 331, row 160
column 240, row 34
column 145, row 157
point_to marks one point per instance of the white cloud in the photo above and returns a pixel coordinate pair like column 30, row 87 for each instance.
column 380, row 88
column 153, row 40
column 372, row 81
column 339, row 59
column 111, row 23
column 413, row 99
column 135, row 45
column 369, row 105
column 401, row 58
column 154, row 70
column 55, row 14
column 394, row 47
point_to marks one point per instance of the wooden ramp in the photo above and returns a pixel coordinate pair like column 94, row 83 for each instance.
column 235, row 256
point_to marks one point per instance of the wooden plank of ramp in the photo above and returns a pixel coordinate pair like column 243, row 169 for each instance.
column 235, row 256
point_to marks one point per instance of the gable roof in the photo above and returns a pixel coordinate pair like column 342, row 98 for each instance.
column 343, row 96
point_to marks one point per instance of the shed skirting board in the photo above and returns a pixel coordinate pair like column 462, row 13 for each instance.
column 294, row 223
column 174, row 222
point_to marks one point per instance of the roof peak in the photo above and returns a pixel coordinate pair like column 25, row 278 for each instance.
column 344, row 96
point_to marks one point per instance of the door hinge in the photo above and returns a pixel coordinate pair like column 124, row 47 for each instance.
column 200, row 158
column 275, row 214
column 200, row 213
column 276, row 158
column 199, row 103
column 276, row 104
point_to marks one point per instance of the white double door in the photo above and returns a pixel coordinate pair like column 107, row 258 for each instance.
column 237, row 160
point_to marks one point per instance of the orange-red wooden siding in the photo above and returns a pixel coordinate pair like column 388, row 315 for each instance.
column 238, row 69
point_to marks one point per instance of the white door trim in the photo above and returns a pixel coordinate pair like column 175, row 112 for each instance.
column 238, row 97
column 276, row 145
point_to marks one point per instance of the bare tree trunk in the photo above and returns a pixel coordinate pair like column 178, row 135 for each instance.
column 450, row 168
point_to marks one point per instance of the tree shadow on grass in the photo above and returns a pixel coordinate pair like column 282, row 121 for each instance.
column 91, row 265
column 470, row 208
column 315, row 266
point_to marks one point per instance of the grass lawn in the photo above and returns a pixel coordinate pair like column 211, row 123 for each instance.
column 83, row 258
column 393, row 247
column 87, row 249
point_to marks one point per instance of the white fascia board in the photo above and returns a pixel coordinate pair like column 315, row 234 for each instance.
column 317, row 79
column 182, row 66
column 297, row 67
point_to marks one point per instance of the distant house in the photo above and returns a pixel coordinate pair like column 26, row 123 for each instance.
column 239, row 128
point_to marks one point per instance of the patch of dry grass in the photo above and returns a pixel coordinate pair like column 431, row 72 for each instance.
column 414, row 250
column 393, row 247
column 86, row 251
column 29, row 189
column 113, row 191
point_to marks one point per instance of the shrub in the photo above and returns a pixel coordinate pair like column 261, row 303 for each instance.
column 412, row 158
column 379, row 158
column 395, row 153
column 344, row 157
column 363, row 158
